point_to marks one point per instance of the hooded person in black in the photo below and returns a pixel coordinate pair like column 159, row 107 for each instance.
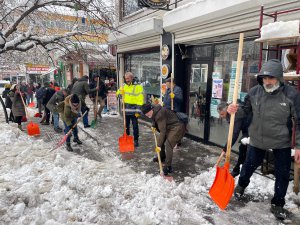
column 274, row 106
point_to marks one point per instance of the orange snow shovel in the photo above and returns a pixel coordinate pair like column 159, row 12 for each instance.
column 169, row 178
column 223, row 186
column 33, row 129
column 125, row 141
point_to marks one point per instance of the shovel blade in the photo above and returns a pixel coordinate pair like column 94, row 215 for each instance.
column 126, row 143
column 31, row 105
column 33, row 129
column 93, row 123
column 222, row 189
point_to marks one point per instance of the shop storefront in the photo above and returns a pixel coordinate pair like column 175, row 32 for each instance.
column 203, row 55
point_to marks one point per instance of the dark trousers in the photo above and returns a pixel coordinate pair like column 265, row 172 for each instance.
column 242, row 156
column 85, row 119
column 47, row 114
column 18, row 120
column 75, row 131
column 135, row 126
column 282, row 161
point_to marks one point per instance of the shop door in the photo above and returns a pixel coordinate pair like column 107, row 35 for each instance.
column 199, row 98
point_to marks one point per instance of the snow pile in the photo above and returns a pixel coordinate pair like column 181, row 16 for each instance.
column 38, row 187
column 280, row 29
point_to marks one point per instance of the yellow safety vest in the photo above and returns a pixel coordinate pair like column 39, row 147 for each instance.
column 133, row 94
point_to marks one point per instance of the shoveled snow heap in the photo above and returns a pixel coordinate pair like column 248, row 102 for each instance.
column 38, row 187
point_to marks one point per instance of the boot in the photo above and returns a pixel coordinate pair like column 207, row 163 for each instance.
column 77, row 141
column 20, row 127
column 136, row 143
column 167, row 170
column 239, row 192
column 278, row 212
column 69, row 148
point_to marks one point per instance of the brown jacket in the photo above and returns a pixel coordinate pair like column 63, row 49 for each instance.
column 66, row 113
column 169, row 126
column 17, row 104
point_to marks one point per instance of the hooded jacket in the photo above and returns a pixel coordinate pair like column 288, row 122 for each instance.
column 82, row 89
column 66, row 112
column 55, row 100
column 271, row 126
column 168, row 125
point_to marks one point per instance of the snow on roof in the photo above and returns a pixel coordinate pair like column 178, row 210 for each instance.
column 280, row 29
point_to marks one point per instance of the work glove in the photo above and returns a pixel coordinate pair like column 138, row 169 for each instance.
column 137, row 115
column 245, row 140
column 153, row 129
column 157, row 149
column 122, row 92
column 172, row 95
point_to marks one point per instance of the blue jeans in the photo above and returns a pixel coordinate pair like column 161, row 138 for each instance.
column 55, row 119
column 85, row 119
column 135, row 126
column 75, row 130
column 282, row 162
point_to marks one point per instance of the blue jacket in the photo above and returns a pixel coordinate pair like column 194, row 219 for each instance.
column 177, row 101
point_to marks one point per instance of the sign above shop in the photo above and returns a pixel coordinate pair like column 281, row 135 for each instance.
column 165, row 71
column 165, row 52
column 154, row 4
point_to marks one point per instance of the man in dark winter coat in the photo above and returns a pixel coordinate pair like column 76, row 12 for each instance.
column 170, row 129
column 58, row 97
column 177, row 96
column 48, row 93
column 101, row 93
column 241, row 124
column 8, row 102
column 82, row 89
column 273, row 105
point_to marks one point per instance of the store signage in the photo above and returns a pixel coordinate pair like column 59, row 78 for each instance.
column 165, row 71
column 165, row 52
column 154, row 4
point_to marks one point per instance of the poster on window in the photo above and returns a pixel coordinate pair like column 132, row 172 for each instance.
column 232, row 80
column 217, row 88
column 112, row 102
column 214, row 108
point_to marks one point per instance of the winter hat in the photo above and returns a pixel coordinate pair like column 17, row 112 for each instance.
column 75, row 98
column 7, row 86
column 146, row 108
column 272, row 68
column 12, row 87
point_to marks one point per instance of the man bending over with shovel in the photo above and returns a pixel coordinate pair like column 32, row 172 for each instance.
column 170, row 128
column 273, row 105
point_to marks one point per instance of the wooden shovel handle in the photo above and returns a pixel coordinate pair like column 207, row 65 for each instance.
column 96, row 100
column 158, row 154
column 235, row 95
column 27, row 114
column 172, row 90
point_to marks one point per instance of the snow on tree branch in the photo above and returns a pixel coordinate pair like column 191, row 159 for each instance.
column 25, row 24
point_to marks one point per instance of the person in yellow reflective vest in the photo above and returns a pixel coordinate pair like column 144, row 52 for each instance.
column 133, row 98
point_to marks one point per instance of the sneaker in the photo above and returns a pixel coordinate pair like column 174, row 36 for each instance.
column 136, row 143
column 278, row 212
column 235, row 172
column 155, row 159
column 87, row 126
column 167, row 170
column 57, row 129
column 69, row 148
column 77, row 141
column 239, row 192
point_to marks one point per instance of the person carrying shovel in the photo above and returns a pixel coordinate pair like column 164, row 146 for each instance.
column 133, row 98
column 170, row 128
column 69, row 109
column 274, row 105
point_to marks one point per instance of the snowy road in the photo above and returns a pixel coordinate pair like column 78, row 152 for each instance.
column 38, row 187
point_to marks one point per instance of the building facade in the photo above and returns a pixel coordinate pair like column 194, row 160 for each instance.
column 197, row 41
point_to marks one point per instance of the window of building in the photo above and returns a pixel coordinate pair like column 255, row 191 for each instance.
column 128, row 7
column 223, row 82
column 146, row 70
